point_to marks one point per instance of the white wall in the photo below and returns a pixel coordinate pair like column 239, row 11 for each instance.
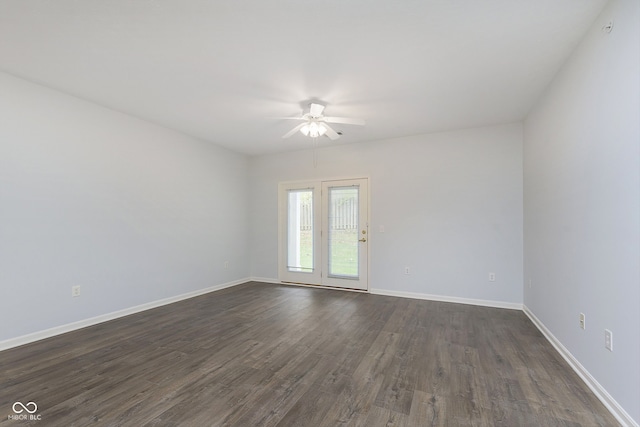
column 130, row 211
column 582, row 204
column 451, row 205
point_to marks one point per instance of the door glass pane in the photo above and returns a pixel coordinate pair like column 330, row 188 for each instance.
column 343, row 232
column 300, row 231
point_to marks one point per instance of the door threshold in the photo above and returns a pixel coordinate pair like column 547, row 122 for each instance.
column 337, row 288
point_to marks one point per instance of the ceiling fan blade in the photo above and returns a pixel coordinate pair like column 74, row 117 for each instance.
column 344, row 120
column 332, row 134
column 294, row 130
column 315, row 110
column 288, row 118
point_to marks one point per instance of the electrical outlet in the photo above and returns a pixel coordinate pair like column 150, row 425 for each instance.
column 407, row 270
column 608, row 340
column 226, row 265
column 492, row 277
column 75, row 291
column 582, row 321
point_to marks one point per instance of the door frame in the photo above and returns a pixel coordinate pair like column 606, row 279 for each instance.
column 284, row 276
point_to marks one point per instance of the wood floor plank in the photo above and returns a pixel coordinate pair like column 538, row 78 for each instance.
column 311, row 409
column 353, row 403
column 264, row 355
column 396, row 392
column 427, row 410
column 379, row 417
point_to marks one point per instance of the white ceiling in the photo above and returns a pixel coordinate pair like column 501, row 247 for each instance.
column 222, row 70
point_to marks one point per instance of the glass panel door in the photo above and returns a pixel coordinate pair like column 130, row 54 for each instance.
column 345, row 233
column 323, row 233
column 299, row 242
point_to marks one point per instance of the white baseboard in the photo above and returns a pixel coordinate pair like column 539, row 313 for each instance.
column 265, row 280
column 47, row 333
column 303, row 285
column 616, row 410
column 441, row 298
column 414, row 295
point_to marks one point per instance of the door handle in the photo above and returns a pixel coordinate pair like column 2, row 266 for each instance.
column 362, row 240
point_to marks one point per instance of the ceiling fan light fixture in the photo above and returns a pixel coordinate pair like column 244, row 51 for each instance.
column 313, row 129
column 315, row 124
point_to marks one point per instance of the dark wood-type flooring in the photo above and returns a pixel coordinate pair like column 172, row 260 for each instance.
column 264, row 355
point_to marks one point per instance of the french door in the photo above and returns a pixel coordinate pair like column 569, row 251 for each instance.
column 323, row 233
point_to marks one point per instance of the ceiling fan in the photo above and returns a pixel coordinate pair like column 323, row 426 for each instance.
column 314, row 123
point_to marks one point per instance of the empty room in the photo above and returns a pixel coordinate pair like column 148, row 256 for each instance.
column 298, row 213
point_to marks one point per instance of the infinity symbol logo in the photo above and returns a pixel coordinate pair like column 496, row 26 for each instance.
column 25, row 407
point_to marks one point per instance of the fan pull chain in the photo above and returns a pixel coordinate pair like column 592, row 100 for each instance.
column 315, row 151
